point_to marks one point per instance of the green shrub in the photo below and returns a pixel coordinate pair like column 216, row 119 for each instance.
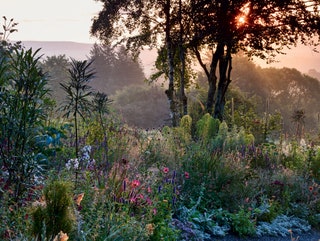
column 207, row 128
column 242, row 223
column 55, row 214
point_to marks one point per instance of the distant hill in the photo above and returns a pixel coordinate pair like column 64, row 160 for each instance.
column 81, row 51
column 315, row 74
column 301, row 58
column 78, row 51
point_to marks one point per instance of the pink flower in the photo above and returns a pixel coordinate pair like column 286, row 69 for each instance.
column 149, row 201
column 154, row 211
column 165, row 170
column 149, row 190
column 135, row 183
column 186, row 175
column 140, row 196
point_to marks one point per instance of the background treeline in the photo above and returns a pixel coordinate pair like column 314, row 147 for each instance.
column 263, row 92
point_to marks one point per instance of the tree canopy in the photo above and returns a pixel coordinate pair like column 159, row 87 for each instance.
column 259, row 28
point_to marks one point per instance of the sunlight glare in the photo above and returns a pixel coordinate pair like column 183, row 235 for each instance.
column 241, row 19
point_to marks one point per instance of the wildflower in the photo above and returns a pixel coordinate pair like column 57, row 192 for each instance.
column 140, row 196
column 124, row 185
column 133, row 200
column 150, row 228
column 135, row 183
column 165, row 170
column 79, row 198
column 154, row 211
column 149, row 201
column 311, row 188
column 149, row 190
column 186, row 175
column 61, row 236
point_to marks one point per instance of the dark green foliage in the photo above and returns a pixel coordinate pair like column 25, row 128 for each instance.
column 39, row 217
column 23, row 111
column 56, row 213
column 242, row 223
column 77, row 91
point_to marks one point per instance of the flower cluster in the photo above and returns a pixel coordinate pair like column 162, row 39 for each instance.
column 72, row 164
column 84, row 158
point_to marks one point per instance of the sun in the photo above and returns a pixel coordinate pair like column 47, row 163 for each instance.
column 241, row 19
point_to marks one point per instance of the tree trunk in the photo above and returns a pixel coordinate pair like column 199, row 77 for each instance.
column 183, row 97
column 225, row 67
column 170, row 91
column 211, row 76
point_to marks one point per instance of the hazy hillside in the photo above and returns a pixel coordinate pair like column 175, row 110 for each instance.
column 75, row 50
column 302, row 58
column 81, row 51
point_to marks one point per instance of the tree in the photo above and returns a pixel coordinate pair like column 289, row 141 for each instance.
column 258, row 28
column 57, row 69
column 112, row 66
column 77, row 91
column 298, row 117
column 138, row 24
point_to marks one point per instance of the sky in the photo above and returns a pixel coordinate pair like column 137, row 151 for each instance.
column 51, row 20
column 70, row 20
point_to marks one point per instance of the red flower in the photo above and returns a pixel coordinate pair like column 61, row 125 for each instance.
column 165, row 170
column 135, row 183
column 186, row 175
column 311, row 188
